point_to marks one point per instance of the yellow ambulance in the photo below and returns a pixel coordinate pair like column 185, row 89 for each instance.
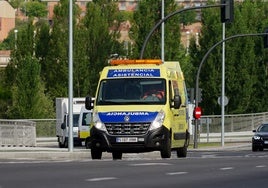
column 140, row 106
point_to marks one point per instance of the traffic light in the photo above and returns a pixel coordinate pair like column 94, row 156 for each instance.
column 227, row 11
column 190, row 93
column 200, row 94
column 265, row 38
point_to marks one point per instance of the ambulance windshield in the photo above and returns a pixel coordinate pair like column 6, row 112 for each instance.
column 132, row 91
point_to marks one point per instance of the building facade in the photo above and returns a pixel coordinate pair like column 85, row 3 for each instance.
column 7, row 19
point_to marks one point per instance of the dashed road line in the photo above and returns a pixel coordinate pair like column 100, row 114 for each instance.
column 150, row 164
column 227, row 168
column 261, row 166
column 101, row 179
column 176, row 173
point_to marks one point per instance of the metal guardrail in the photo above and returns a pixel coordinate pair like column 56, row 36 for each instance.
column 238, row 128
column 232, row 123
column 17, row 133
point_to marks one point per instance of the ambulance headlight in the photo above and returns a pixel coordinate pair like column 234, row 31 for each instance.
column 98, row 123
column 158, row 121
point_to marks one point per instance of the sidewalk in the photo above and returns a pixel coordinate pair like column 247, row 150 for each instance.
column 61, row 154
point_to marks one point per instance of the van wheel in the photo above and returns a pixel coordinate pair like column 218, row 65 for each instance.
column 88, row 143
column 166, row 151
column 65, row 144
column 96, row 153
column 61, row 145
column 117, row 155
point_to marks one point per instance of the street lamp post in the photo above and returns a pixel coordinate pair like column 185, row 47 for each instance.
column 16, row 33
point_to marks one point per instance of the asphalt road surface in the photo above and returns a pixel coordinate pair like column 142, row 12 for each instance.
column 209, row 169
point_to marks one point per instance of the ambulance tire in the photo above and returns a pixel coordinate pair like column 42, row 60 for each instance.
column 166, row 150
column 182, row 152
column 96, row 153
column 117, row 155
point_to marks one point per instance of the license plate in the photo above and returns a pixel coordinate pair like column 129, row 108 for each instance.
column 126, row 139
column 266, row 142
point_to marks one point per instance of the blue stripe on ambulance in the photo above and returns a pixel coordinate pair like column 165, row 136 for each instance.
column 115, row 73
column 119, row 117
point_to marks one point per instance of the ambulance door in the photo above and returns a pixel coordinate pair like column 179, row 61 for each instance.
column 177, row 127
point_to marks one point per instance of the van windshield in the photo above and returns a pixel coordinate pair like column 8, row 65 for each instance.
column 132, row 91
column 75, row 120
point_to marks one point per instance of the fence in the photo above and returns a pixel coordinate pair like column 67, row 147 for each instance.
column 237, row 128
column 17, row 133
column 232, row 123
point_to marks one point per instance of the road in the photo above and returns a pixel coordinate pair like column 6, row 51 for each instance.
column 210, row 169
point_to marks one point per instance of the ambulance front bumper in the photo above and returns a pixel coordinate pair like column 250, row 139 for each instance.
column 151, row 141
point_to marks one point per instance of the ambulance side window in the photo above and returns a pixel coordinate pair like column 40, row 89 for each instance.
column 170, row 92
column 173, row 90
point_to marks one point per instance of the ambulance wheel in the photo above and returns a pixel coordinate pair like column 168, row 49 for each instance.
column 182, row 152
column 96, row 153
column 166, row 151
column 117, row 155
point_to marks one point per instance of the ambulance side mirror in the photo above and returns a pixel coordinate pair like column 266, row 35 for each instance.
column 89, row 103
column 177, row 101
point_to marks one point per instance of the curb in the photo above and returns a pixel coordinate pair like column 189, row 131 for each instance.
column 62, row 154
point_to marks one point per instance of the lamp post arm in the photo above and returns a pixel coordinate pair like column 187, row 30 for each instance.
column 166, row 18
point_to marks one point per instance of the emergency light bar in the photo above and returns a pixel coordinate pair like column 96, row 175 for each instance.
column 135, row 61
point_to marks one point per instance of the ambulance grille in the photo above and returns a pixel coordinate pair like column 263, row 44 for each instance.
column 127, row 128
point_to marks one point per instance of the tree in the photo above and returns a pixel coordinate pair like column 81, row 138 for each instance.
column 143, row 24
column 24, row 82
column 53, row 51
column 100, row 43
column 28, row 98
column 244, row 62
column 35, row 9
column 187, row 18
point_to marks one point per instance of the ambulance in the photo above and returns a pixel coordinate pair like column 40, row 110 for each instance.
column 140, row 106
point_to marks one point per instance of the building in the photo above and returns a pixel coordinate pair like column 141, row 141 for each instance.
column 4, row 58
column 7, row 19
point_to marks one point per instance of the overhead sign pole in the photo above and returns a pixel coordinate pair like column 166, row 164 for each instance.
column 70, row 140
column 163, row 33
column 227, row 15
column 223, row 86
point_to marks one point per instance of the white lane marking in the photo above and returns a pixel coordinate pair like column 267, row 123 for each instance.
column 208, row 156
column 261, row 166
column 149, row 164
column 101, row 179
column 176, row 173
column 227, row 168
